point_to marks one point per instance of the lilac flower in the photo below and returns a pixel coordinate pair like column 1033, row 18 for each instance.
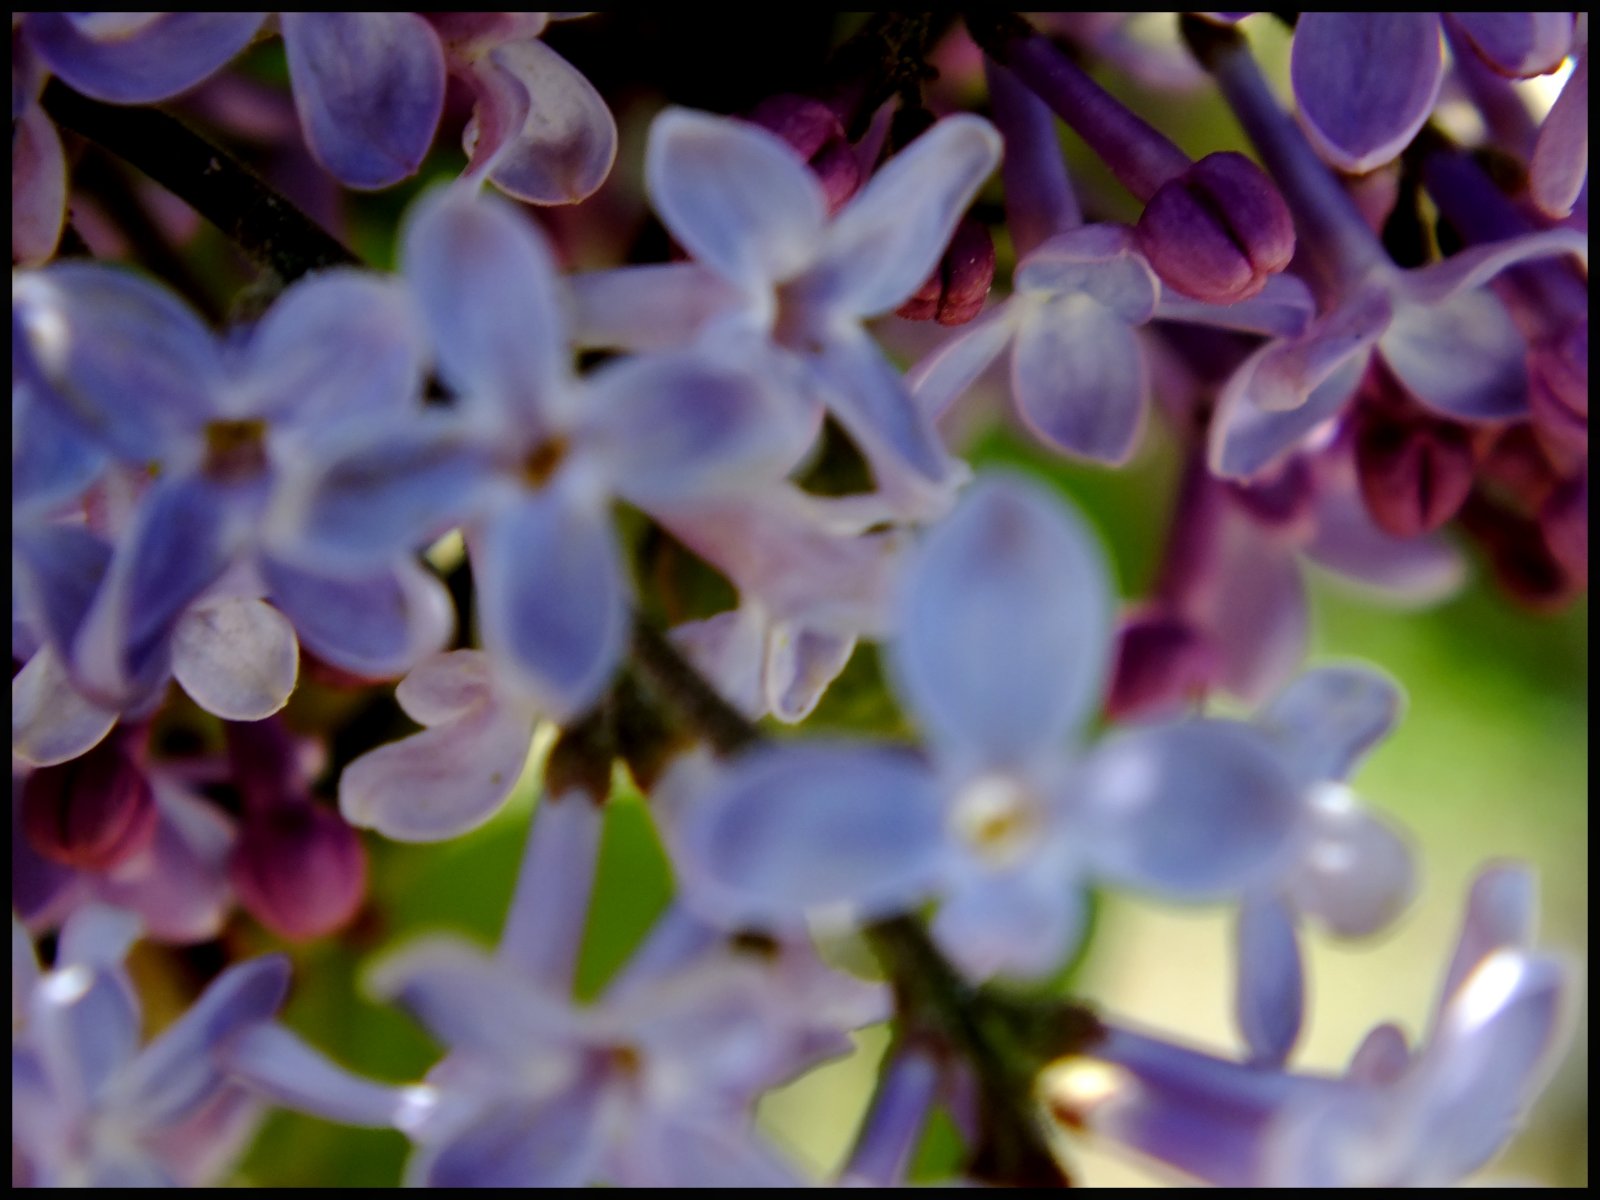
column 213, row 425
column 1398, row 1117
column 1448, row 340
column 95, row 1109
column 755, row 219
column 137, row 58
column 1367, row 82
column 1003, row 621
column 1559, row 171
column 531, row 457
column 651, row 1084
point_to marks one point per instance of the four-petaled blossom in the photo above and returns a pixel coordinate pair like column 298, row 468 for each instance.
column 1003, row 628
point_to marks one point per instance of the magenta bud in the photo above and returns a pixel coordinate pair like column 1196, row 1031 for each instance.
column 1219, row 230
column 955, row 292
column 1564, row 519
column 1414, row 476
column 1519, row 555
column 817, row 134
column 91, row 813
column 1558, row 396
column 1163, row 664
column 299, row 870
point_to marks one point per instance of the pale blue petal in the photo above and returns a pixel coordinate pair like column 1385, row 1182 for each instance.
column 800, row 665
column 737, row 197
column 1284, row 307
column 1357, row 874
column 1502, row 909
column 50, row 722
column 1257, row 611
column 1079, row 379
column 1198, row 810
column 676, row 1151
column 155, row 61
column 56, row 571
column 1099, row 261
column 1329, row 718
column 1005, row 624
column 181, row 1069
column 338, row 346
column 274, row 1061
column 125, row 360
column 552, row 598
column 378, row 626
column 488, row 289
column 1269, row 1002
column 369, row 88
column 516, row 1143
column 798, row 829
column 1462, row 357
column 887, row 240
column 1247, row 439
column 83, row 1021
column 236, row 657
column 944, row 376
column 657, row 307
column 1023, row 926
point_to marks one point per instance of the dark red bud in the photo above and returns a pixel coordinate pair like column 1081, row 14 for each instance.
column 1164, row 664
column 1565, row 522
column 817, row 134
column 1558, row 397
column 955, row 292
column 1219, row 230
column 1519, row 555
column 1414, row 477
column 91, row 813
column 299, row 870
column 1513, row 461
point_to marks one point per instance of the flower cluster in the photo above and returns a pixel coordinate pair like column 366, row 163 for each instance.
column 635, row 523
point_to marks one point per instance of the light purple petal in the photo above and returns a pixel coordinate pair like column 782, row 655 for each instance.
column 677, row 1152
column 1194, row 811
column 1357, row 874
column 83, row 1021
column 1285, row 374
column 691, row 422
column 1248, row 439
column 1365, row 82
column 657, row 307
column 1005, row 624
column 56, row 572
column 38, row 188
column 50, row 722
column 737, row 197
column 154, row 61
column 1256, row 611
column 441, row 782
column 179, row 886
column 795, row 829
column 488, row 290
column 97, row 936
column 128, row 362
column 1519, row 44
column 868, row 397
column 944, row 376
column 236, row 657
column 516, row 1143
column 1382, row 1056
column 379, row 493
column 447, row 686
column 1330, row 718
column 378, row 626
column 52, row 462
column 544, row 928
column 1414, row 571
column 1020, row 925
column 1463, row 358
column 800, row 665
column 1561, row 155
column 1502, row 909
column 369, row 88
column 1284, row 307
column 275, row 1061
column 556, row 137
column 1100, row 261
column 180, row 544
column 729, row 650
column 181, row 1069
column 552, row 598
column 337, row 346
column 1475, row 266
column 1079, row 379
column 885, row 242
column 1269, row 1002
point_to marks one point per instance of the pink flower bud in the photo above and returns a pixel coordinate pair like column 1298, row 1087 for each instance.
column 955, row 292
column 1163, row 664
column 299, row 870
column 1414, row 476
column 817, row 134
column 91, row 813
column 1565, row 522
column 1219, row 230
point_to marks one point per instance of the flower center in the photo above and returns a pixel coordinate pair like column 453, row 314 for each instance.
column 998, row 817
column 235, row 449
column 541, row 462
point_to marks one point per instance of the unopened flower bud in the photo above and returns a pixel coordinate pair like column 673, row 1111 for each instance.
column 955, row 292
column 1558, row 396
column 1163, row 664
column 1519, row 555
column 91, row 813
column 299, row 870
column 817, row 134
column 1565, row 522
column 1414, row 476
column 1218, row 230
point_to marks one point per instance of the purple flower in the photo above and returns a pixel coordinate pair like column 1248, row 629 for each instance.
column 1398, row 1117
column 1003, row 618
column 93, row 1107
